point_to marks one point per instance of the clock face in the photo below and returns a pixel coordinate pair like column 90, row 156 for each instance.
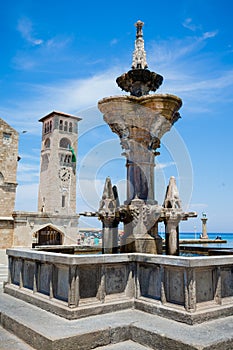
column 64, row 174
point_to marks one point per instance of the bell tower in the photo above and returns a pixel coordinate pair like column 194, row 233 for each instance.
column 57, row 188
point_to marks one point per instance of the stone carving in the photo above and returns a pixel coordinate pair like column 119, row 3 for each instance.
column 140, row 120
column 139, row 55
column 109, row 215
column 172, row 200
column 172, row 214
column 139, row 81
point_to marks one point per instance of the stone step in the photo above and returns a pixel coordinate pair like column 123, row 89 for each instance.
column 114, row 331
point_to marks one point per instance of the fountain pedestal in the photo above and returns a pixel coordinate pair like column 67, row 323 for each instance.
column 140, row 122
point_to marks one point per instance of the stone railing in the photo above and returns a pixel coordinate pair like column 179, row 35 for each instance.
column 188, row 289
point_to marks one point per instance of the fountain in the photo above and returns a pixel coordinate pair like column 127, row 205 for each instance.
column 143, row 295
column 140, row 120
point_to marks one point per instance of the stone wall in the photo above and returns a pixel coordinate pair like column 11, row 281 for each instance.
column 8, row 167
column 27, row 224
column 190, row 290
column 6, row 232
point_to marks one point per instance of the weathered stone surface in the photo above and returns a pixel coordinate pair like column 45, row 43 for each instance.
column 28, row 224
column 8, row 183
column 57, row 187
column 191, row 290
column 44, row 330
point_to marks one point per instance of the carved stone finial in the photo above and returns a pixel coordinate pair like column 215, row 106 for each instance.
column 139, row 24
column 139, row 55
column 108, row 192
column 172, row 198
column 139, row 81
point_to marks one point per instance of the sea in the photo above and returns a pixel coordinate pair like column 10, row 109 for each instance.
column 224, row 236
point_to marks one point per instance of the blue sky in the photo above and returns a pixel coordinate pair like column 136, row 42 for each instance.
column 66, row 55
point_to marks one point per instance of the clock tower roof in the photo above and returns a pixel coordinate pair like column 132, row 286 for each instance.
column 61, row 114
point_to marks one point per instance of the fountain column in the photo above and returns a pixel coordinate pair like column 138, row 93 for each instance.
column 140, row 120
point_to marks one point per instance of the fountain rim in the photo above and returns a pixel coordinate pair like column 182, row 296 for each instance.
column 142, row 99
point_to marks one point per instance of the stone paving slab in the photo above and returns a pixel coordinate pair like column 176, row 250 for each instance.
column 3, row 257
column 9, row 341
column 3, row 274
column 44, row 330
column 129, row 345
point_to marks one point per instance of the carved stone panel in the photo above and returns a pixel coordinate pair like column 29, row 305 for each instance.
column 227, row 282
column 89, row 278
column 116, row 279
column 150, row 281
column 44, row 276
column 28, row 273
column 175, row 285
column 205, row 285
column 61, row 277
column 17, row 267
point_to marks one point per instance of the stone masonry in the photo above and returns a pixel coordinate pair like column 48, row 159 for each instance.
column 8, row 184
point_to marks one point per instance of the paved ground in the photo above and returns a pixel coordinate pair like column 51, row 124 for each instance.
column 8, row 341
column 3, row 274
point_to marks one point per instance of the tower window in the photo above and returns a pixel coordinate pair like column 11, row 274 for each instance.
column 65, row 143
column 6, row 136
column 48, row 127
column 47, row 143
column 67, row 159
column 63, row 201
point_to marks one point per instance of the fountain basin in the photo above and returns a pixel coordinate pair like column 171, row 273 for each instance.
column 186, row 289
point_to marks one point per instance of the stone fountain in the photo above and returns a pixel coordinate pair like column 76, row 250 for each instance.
column 156, row 301
column 140, row 120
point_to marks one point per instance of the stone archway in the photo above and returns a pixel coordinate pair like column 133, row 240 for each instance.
column 49, row 236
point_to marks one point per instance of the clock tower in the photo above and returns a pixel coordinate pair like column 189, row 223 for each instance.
column 57, row 188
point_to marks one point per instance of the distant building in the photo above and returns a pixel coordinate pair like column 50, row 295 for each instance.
column 8, row 183
column 56, row 221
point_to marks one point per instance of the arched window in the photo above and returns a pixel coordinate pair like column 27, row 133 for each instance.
column 65, row 143
column 47, row 143
column 50, row 126
column 70, row 127
column 60, row 124
column 65, row 126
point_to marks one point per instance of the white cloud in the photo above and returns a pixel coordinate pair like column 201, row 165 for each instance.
column 208, row 35
column 26, row 30
column 188, row 23
column 114, row 42
column 160, row 166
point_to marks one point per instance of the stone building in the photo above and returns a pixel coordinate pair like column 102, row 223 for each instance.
column 8, row 183
column 57, row 190
column 56, row 221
